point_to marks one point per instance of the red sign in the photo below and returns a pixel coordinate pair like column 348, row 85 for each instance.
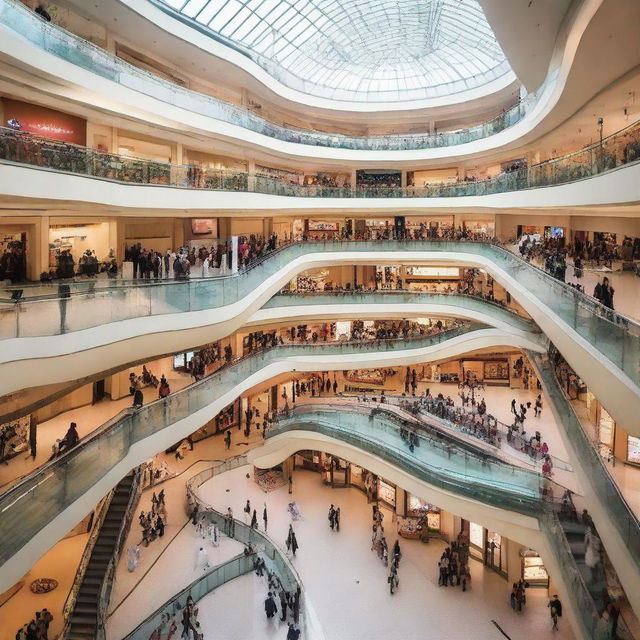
column 45, row 122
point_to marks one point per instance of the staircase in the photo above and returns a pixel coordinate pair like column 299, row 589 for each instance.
column 84, row 616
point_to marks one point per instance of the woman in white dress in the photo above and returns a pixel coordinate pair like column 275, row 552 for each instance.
column 133, row 555
column 214, row 534
column 591, row 551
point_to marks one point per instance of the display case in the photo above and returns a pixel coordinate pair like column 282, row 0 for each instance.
column 533, row 570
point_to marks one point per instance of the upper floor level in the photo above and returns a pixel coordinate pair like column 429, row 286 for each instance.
column 104, row 81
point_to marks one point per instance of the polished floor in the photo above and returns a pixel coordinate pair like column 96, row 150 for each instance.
column 345, row 582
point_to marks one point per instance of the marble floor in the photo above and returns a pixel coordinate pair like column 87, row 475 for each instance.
column 345, row 583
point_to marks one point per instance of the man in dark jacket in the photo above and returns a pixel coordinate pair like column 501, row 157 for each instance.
column 270, row 607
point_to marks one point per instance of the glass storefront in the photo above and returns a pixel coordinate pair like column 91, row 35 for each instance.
column 633, row 449
column 387, row 493
column 496, row 552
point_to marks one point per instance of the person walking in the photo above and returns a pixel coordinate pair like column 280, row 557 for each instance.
column 555, row 609
column 292, row 541
column 254, row 520
column 265, row 517
column 229, row 524
column 331, row 516
column 293, row 633
column 283, row 604
column 270, row 607
column 227, row 439
column 247, row 512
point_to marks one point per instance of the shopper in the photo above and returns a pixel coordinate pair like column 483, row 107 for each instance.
column 284, row 598
column 270, row 607
column 555, row 609
column 292, row 541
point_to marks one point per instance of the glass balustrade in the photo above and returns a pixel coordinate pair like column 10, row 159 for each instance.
column 442, row 460
column 198, row 589
column 71, row 48
column 614, row 335
column 617, row 150
column 32, row 503
column 468, row 302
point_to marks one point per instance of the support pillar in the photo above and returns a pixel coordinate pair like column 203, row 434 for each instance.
column 42, row 251
column 267, row 227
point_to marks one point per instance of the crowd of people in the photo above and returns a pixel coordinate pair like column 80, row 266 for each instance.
column 154, row 521
column 37, row 628
column 380, row 546
column 554, row 257
column 453, row 566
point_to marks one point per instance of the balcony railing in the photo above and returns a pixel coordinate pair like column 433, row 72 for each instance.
column 71, row 48
column 27, row 507
column 614, row 335
column 604, row 486
column 618, row 149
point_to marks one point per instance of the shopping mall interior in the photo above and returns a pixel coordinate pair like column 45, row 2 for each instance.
column 319, row 319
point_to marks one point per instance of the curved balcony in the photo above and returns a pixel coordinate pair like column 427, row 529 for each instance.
column 358, row 431
column 275, row 560
column 601, row 345
column 57, row 41
column 280, row 310
column 617, row 150
column 36, row 512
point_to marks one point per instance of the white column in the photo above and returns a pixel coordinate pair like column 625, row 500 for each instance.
column 234, row 254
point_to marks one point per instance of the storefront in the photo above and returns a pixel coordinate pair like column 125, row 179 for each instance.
column 387, row 493
column 13, row 253
column 318, row 229
column 487, row 546
column 80, row 248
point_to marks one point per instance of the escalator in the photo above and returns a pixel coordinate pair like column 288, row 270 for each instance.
column 84, row 617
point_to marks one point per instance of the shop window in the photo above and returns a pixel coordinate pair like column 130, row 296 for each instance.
column 633, row 449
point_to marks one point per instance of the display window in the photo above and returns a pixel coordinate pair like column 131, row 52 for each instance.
column 496, row 552
column 476, row 535
column 606, row 428
column 633, row 449
column 387, row 493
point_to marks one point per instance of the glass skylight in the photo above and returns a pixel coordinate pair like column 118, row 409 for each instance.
column 373, row 50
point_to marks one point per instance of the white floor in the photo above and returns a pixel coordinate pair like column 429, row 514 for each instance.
column 345, row 582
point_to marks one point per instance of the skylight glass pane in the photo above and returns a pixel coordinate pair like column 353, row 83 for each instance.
column 361, row 49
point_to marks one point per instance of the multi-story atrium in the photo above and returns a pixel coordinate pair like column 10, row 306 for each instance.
column 319, row 319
